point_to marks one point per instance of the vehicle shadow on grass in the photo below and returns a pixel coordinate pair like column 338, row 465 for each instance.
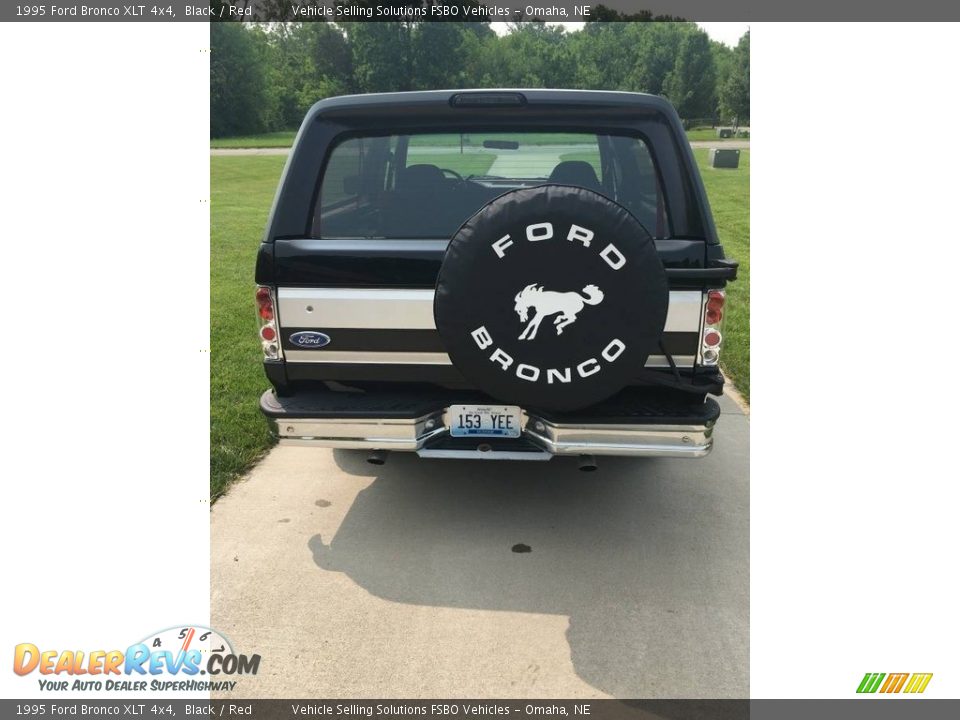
column 648, row 558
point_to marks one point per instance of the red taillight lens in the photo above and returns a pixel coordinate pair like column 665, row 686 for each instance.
column 268, row 328
column 712, row 317
column 715, row 300
column 264, row 303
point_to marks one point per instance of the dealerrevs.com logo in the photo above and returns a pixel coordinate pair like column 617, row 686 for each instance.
column 182, row 659
column 911, row 683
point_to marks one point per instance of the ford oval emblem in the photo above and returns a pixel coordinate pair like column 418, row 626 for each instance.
column 310, row 339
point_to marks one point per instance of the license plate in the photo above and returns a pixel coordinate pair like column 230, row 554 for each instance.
column 484, row 421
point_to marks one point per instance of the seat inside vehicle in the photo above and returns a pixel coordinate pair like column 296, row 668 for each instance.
column 420, row 179
column 425, row 202
column 575, row 172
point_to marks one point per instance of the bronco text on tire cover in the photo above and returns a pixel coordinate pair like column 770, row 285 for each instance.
column 551, row 297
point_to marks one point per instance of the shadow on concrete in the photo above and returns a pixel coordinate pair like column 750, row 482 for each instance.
column 647, row 557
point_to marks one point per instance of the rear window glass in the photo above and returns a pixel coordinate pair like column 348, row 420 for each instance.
column 425, row 186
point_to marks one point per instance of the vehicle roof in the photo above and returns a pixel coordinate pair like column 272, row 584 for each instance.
column 436, row 99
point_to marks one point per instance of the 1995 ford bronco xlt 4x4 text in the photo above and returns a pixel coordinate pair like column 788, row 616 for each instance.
column 493, row 274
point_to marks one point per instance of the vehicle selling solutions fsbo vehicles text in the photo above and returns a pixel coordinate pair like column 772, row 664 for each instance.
column 353, row 12
column 434, row 709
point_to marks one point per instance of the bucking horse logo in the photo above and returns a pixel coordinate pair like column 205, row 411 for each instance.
column 565, row 305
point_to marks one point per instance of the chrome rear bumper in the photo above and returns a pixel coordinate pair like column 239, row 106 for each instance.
column 615, row 439
column 427, row 434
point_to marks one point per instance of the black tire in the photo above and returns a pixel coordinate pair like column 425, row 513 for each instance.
column 576, row 260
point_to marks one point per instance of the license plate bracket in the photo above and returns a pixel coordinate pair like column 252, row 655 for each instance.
column 484, row 421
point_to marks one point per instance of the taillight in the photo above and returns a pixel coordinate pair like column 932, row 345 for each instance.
column 711, row 338
column 268, row 328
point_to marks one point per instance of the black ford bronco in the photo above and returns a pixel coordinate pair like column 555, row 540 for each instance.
column 493, row 274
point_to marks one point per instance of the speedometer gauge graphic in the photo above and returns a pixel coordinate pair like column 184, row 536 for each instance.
column 182, row 639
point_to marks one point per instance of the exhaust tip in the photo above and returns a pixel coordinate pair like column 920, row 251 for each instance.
column 377, row 457
column 587, row 463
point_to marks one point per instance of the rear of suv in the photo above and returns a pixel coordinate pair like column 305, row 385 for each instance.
column 509, row 274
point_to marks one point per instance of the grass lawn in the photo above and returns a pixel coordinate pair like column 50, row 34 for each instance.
column 281, row 139
column 242, row 190
column 702, row 134
column 710, row 134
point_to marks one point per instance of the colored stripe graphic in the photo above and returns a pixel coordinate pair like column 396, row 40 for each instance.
column 918, row 683
column 870, row 682
column 894, row 682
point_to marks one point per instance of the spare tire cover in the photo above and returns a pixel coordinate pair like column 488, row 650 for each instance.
column 551, row 297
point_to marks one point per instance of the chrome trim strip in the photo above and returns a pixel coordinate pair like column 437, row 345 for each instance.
column 413, row 309
column 479, row 455
column 363, row 357
column 660, row 361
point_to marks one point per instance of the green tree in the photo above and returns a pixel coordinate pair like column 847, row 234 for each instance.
column 238, row 92
column 722, row 66
column 382, row 57
column 735, row 89
column 484, row 65
column 437, row 49
column 690, row 85
column 266, row 76
column 311, row 61
column 653, row 48
column 536, row 55
column 604, row 56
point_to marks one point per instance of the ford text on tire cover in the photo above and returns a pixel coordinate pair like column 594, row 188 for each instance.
column 493, row 274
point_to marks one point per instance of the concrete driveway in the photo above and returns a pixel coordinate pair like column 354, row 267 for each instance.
column 353, row 580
